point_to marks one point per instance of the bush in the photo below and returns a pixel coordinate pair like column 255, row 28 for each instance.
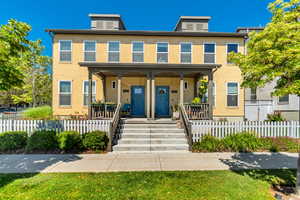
column 12, row 140
column 284, row 144
column 275, row 117
column 42, row 141
column 242, row 142
column 208, row 144
column 43, row 112
column 95, row 140
column 69, row 140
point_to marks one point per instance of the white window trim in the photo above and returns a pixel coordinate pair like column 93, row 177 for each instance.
column 137, row 51
column 162, row 52
column 238, row 50
column 59, row 93
column 238, row 94
column 93, row 93
column 113, row 85
column 186, row 52
column 84, row 51
column 59, row 50
column 209, row 53
column 113, row 51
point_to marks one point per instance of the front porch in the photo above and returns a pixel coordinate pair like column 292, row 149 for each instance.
column 149, row 90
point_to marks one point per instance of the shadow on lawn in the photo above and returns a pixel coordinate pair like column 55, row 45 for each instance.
column 14, row 167
column 276, row 168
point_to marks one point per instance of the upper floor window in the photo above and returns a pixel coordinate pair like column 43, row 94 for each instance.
column 232, row 94
column 232, row 48
column 65, row 50
column 186, row 52
column 137, row 52
column 253, row 96
column 89, row 51
column 65, row 91
column 283, row 99
column 162, row 52
column 86, row 92
column 209, row 53
column 114, row 51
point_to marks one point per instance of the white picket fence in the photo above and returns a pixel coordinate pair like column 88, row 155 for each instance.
column 82, row 126
column 262, row 128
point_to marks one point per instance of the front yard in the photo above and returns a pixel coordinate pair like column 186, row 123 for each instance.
column 251, row 184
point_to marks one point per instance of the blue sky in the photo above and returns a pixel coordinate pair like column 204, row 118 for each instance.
column 137, row 15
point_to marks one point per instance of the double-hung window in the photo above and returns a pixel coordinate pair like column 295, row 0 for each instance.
column 186, row 52
column 137, row 52
column 114, row 51
column 232, row 94
column 232, row 48
column 209, row 53
column 253, row 96
column 65, row 93
column 65, row 50
column 283, row 99
column 86, row 92
column 162, row 52
column 90, row 51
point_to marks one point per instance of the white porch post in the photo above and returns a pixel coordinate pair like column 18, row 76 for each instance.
column 90, row 96
column 181, row 97
column 210, row 94
column 153, row 95
column 119, row 89
column 148, row 96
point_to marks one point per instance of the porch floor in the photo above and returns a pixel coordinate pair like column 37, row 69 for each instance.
column 150, row 121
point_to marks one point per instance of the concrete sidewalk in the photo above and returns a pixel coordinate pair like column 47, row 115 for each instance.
column 113, row 162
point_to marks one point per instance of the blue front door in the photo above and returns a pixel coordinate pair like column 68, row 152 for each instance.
column 162, row 101
column 138, row 101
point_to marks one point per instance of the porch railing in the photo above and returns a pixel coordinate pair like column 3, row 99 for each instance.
column 103, row 111
column 187, row 125
column 197, row 111
column 114, row 127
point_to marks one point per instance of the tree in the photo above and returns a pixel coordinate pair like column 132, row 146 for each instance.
column 23, row 78
column 274, row 54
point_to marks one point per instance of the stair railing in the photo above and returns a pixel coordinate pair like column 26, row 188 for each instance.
column 113, row 127
column 187, row 125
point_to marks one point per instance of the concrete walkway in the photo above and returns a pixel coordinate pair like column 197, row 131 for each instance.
column 113, row 162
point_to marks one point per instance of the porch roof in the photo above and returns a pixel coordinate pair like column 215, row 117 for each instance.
column 149, row 67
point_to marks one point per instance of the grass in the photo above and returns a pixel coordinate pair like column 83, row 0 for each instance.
column 251, row 184
column 39, row 113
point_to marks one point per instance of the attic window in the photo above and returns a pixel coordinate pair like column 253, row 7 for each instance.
column 99, row 24
column 199, row 27
column 189, row 26
column 109, row 25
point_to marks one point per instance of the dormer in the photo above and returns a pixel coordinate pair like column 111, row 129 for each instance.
column 106, row 22
column 193, row 24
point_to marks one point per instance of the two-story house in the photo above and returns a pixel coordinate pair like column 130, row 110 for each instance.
column 149, row 71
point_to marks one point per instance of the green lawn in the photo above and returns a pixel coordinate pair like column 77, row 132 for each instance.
column 144, row 185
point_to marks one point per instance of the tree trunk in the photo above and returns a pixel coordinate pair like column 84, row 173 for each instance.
column 298, row 176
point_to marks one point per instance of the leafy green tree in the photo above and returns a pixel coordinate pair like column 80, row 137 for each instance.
column 274, row 54
column 23, row 76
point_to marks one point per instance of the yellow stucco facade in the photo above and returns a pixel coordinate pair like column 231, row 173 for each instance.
column 71, row 71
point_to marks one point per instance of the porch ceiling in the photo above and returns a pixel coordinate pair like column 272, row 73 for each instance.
column 142, row 69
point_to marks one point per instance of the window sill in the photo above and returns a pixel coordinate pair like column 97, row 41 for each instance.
column 283, row 103
column 65, row 62
column 65, row 107
column 232, row 107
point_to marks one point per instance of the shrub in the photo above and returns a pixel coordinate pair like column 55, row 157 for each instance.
column 12, row 140
column 208, row 144
column 242, row 142
column 42, row 141
column 275, row 117
column 43, row 112
column 95, row 140
column 69, row 140
column 285, row 144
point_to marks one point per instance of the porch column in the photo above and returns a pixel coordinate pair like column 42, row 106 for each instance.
column 210, row 94
column 153, row 95
column 181, row 94
column 103, row 79
column 148, row 96
column 90, row 96
column 119, row 89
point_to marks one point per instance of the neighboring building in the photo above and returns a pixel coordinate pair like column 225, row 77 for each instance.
column 259, row 102
column 148, row 70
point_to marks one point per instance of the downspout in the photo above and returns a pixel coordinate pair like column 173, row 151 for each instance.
column 245, row 48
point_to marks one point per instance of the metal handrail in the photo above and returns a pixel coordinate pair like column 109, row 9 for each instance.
column 113, row 127
column 187, row 125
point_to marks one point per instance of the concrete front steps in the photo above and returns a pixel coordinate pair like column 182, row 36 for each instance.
column 150, row 136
